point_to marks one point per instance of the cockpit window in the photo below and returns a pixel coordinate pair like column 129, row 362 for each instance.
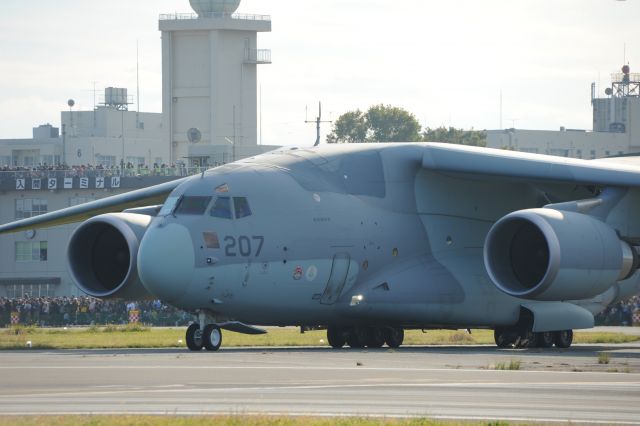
column 221, row 208
column 192, row 205
column 169, row 205
column 241, row 206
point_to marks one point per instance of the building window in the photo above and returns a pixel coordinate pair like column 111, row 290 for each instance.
column 559, row 152
column 607, row 153
column 106, row 160
column 74, row 201
column 593, row 154
column 530, row 150
column 31, row 251
column 578, row 153
column 28, row 207
column 135, row 161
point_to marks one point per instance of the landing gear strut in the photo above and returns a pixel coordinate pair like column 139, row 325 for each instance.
column 362, row 336
column 203, row 334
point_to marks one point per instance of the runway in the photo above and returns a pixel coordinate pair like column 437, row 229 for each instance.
column 438, row 382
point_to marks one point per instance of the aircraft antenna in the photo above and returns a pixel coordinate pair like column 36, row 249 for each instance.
column 318, row 120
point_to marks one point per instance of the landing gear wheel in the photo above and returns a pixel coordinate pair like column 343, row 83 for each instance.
column 336, row 336
column 526, row 339
column 358, row 337
column 194, row 337
column 504, row 338
column 376, row 337
column 394, row 336
column 563, row 339
column 544, row 339
column 212, row 337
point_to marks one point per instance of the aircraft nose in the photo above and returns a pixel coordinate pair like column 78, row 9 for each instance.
column 166, row 261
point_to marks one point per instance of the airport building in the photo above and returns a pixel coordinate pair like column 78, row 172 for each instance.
column 616, row 126
column 209, row 117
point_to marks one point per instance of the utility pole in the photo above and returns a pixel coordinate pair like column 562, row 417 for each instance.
column 318, row 120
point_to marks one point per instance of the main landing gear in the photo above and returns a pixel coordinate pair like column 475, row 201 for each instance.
column 361, row 336
column 208, row 337
column 511, row 337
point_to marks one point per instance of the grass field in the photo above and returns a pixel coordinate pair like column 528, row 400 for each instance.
column 142, row 337
column 224, row 420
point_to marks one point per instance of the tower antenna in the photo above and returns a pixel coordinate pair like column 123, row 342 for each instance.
column 137, row 87
column 318, row 120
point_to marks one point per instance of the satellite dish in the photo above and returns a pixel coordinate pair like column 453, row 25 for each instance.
column 194, row 135
column 71, row 103
column 608, row 91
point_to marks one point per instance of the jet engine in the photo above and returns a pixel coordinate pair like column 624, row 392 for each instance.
column 102, row 256
column 547, row 254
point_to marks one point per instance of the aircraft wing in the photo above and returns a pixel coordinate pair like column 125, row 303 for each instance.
column 532, row 167
column 137, row 198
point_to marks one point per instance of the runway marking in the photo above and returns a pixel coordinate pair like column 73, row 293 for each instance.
column 185, row 388
column 305, row 368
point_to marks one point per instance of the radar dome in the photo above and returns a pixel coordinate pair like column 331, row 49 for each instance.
column 205, row 7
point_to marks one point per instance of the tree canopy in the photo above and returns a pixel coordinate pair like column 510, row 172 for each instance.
column 381, row 123
column 386, row 123
column 453, row 135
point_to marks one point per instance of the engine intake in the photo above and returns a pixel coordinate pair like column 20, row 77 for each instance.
column 546, row 254
column 102, row 256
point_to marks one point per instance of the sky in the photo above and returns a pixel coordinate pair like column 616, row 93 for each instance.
column 445, row 61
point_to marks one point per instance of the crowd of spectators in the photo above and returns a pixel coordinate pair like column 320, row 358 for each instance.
column 43, row 171
column 620, row 314
column 70, row 311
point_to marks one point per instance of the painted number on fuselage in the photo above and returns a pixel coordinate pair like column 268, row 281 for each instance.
column 243, row 245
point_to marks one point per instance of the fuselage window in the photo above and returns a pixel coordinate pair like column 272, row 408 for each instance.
column 221, row 208
column 193, row 205
column 241, row 206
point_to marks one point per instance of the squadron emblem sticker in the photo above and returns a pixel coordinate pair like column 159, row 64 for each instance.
column 312, row 273
column 297, row 274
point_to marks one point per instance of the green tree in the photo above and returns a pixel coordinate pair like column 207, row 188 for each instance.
column 350, row 127
column 392, row 124
column 457, row 136
column 381, row 123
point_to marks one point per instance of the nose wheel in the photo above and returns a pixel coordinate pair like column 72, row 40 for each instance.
column 209, row 338
column 194, row 337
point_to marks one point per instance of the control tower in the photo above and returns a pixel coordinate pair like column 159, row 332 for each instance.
column 209, row 76
column 620, row 111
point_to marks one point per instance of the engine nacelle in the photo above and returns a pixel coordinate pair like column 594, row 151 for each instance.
column 546, row 254
column 102, row 256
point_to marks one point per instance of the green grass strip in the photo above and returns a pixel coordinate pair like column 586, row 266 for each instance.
column 112, row 337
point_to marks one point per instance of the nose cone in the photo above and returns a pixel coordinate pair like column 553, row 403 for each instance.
column 166, row 261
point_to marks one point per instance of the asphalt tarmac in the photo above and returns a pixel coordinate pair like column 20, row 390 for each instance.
column 439, row 382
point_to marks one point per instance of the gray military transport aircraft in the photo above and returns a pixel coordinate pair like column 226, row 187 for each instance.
column 368, row 240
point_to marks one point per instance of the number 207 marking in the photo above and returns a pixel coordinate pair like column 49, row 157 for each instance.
column 243, row 246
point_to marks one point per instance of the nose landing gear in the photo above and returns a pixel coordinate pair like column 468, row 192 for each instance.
column 202, row 334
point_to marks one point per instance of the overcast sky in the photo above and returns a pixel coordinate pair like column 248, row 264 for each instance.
column 446, row 61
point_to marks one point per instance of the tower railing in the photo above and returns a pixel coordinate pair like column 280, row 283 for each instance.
column 238, row 16
column 257, row 56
